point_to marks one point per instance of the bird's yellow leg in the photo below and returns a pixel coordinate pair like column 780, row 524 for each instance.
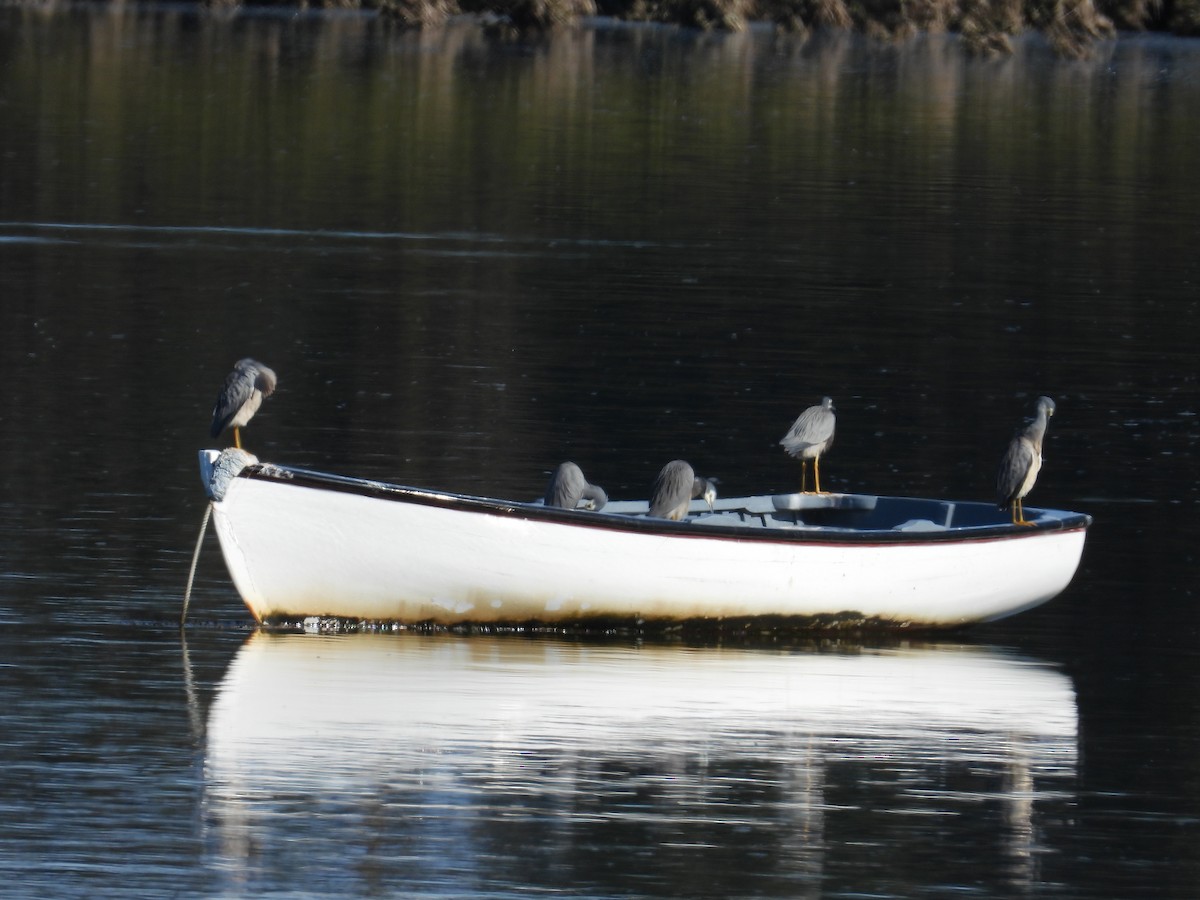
column 1019, row 518
column 817, row 472
column 804, row 476
column 237, row 437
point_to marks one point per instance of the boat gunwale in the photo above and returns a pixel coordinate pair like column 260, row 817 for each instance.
column 1064, row 521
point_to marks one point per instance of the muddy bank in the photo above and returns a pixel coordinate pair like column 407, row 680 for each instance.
column 987, row 26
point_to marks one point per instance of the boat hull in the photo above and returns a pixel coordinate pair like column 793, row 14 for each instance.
column 299, row 547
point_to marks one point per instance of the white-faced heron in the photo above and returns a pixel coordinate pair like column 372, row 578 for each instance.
column 568, row 488
column 1021, row 463
column 243, row 393
column 674, row 489
column 809, row 437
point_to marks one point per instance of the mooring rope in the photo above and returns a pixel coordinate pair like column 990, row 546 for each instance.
column 187, row 594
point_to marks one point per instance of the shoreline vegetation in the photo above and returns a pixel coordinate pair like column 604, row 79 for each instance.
column 986, row 26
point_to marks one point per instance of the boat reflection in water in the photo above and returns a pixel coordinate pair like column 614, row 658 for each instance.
column 461, row 764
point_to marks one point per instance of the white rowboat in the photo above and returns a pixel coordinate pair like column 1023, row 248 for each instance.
column 302, row 544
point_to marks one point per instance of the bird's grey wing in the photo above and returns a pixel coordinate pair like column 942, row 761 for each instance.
column 1013, row 468
column 566, row 487
column 239, row 387
column 822, row 426
column 794, row 432
column 813, row 426
column 672, row 487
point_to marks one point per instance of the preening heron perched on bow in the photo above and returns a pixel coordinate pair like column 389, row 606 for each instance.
column 1022, row 461
column 675, row 488
column 567, row 488
column 243, row 393
column 810, row 436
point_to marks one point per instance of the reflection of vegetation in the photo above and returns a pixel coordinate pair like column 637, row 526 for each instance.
column 1070, row 25
column 728, row 15
column 418, row 13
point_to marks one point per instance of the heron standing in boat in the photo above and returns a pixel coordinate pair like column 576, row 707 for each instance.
column 675, row 488
column 568, row 488
column 810, row 436
column 1021, row 463
column 243, row 393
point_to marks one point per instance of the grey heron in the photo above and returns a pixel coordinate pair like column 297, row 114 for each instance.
column 809, row 437
column 674, row 489
column 567, row 488
column 1021, row 463
column 242, row 395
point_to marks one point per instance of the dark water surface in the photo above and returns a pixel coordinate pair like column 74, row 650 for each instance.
column 468, row 260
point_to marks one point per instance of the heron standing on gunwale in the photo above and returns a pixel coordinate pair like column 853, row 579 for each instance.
column 243, row 393
column 810, row 436
column 567, row 487
column 1021, row 463
column 675, row 488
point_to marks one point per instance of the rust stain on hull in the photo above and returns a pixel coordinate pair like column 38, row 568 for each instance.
column 738, row 628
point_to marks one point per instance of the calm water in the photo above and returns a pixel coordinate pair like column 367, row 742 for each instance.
column 469, row 260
